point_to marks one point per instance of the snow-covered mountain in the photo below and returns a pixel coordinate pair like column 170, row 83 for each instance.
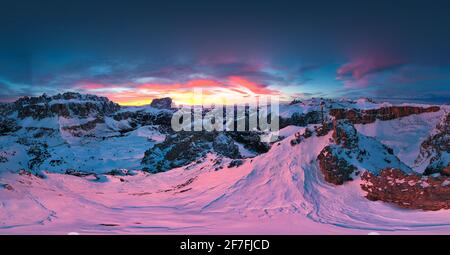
column 82, row 163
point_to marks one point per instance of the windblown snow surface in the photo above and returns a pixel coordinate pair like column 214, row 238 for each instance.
column 279, row 192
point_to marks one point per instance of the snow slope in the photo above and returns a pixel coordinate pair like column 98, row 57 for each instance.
column 281, row 191
column 405, row 134
column 276, row 192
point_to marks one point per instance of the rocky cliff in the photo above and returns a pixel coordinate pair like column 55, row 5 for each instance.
column 362, row 116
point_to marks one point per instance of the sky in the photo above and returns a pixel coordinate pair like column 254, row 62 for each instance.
column 134, row 51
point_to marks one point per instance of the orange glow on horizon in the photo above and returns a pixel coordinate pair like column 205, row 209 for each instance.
column 235, row 90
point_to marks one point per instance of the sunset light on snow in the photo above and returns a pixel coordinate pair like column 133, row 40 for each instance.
column 198, row 118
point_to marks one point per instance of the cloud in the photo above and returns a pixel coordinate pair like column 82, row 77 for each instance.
column 361, row 71
column 408, row 82
column 230, row 89
column 144, row 78
column 239, row 84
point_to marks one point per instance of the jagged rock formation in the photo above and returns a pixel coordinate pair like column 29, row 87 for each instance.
column 335, row 169
column 38, row 153
column 183, row 148
column 339, row 162
column 143, row 118
column 357, row 116
column 319, row 130
column 435, row 150
column 251, row 140
column 8, row 126
column 80, row 130
column 297, row 119
column 224, row 145
column 162, row 103
column 407, row 191
column 66, row 105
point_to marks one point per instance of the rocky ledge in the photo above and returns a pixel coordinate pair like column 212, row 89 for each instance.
column 162, row 103
column 357, row 116
column 408, row 191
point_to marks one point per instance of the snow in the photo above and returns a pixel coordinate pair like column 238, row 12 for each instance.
column 279, row 192
column 145, row 109
column 276, row 192
column 404, row 135
column 245, row 153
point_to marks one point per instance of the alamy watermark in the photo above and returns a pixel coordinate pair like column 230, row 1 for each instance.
column 255, row 113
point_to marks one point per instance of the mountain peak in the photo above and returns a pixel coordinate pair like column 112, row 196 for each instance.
column 66, row 104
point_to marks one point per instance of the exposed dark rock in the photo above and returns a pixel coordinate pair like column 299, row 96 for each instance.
column 340, row 161
column 301, row 120
column 3, row 159
column 79, row 130
column 408, row 191
column 64, row 105
column 182, row 148
column 177, row 150
column 6, row 186
column 39, row 153
column 334, row 169
column 436, row 148
column 236, row 163
column 225, row 146
column 295, row 101
column 77, row 173
column 299, row 137
column 8, row 126
column 251, row 140
column 142, row 118
column 120, row 172
column 56, row 162
column 40, row 132
column 345, row 134
column 319, row 130
column 162, row 103
column 357, row 116
column 323, row 129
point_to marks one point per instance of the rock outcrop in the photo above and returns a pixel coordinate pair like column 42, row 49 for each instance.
column 351, row 152
column 224, row 145
column 80, row 130
column 143, row 118
column 8, row 126
column 162, row 103
column 251, row 140
column 336, row 170
column 357, row 116
column 67, row 105
column 301, row 120
column 435, row 150
column 407, row 191
column 183, row 148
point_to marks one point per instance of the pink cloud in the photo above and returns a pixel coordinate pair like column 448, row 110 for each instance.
column 235, row 83
column 138, row 93
column 355, row 74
